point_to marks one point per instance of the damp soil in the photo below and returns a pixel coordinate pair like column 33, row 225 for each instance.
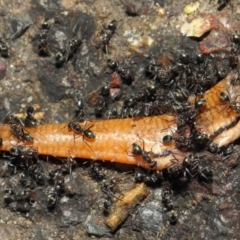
column 206, row 209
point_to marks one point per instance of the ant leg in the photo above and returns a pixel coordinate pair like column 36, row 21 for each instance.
column 106, row 49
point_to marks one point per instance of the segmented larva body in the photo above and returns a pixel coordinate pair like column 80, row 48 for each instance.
column 113, row 141
column 114, row 137
column 218, row 118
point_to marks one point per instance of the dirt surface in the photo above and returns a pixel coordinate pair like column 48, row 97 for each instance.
column 149, row 42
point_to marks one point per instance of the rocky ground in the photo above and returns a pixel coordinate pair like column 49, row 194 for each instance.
column 57, row 59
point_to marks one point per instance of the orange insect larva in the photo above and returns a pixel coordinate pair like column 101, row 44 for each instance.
column 113, row 141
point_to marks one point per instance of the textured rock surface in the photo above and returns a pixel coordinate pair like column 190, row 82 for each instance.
column 29, row 76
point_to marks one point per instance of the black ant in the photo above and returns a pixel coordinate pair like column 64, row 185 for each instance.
column 136, row 149
column 17, row 128
column 167, row 139
column 60, row 58
column 167, row 198
column 199, row 140
column 30, row 120
column 175, row 169
column 190, row 165
column 164, row 153
column 96, row 171
column 42, row 37
column 101, row 100
column 112, row 114
column 75, row 126
column 153, row 164
column 200, row 103
column 26, row 180
column 47, row 23
column 64, row 55
column 124, row 69
column 227, row 98
column 43, row 44
column 111, row 187
column 146, row 156
column 29, row 152
column 152, row 178
column 107, row 34
column 68, row 166
column 72, row 46
column 173, row 216
column 139, row 175
column 205, row 174
column 9, row 195
column 59, row 183
column 224, row 97
column 52, row 196
column 79, row 113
